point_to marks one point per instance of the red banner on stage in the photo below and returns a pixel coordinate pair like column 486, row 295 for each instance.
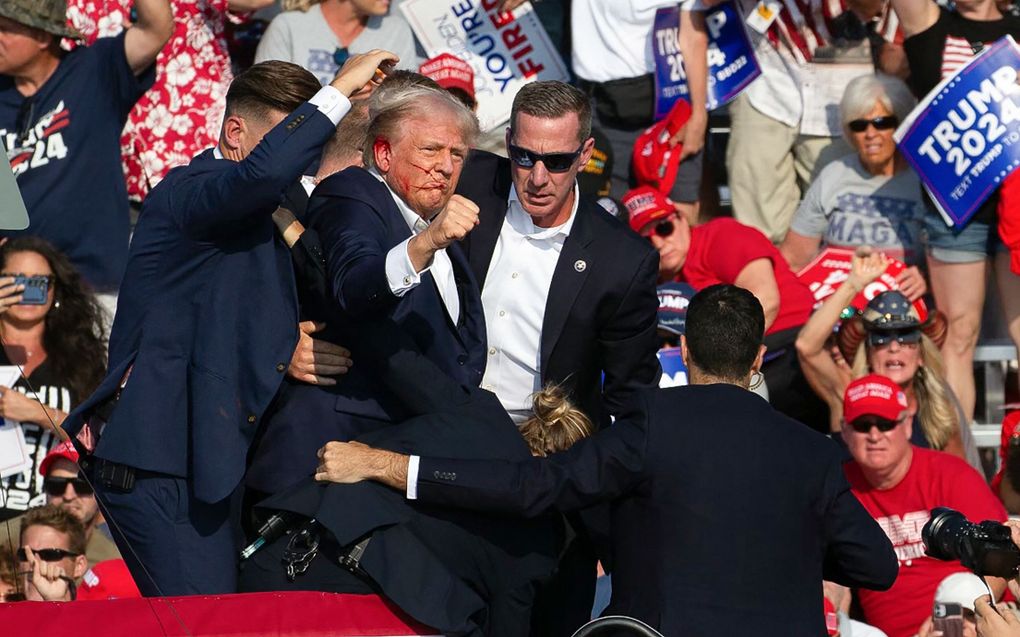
column 298, row 614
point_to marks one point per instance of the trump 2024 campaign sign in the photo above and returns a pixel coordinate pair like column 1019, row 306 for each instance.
column 506, row 49
column 731, row 62
column 963, row 139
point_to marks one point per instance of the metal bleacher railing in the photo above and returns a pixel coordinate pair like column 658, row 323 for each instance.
column 992, row 360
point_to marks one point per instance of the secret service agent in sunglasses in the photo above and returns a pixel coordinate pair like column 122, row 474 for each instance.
column 55, row 487
column 880, row 123
column 554, row 162
column 47, row 555
column 878, row 338
column 864, row 424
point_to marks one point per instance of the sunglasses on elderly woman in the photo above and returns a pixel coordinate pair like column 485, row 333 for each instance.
column 47, row 555
column 880, row 123
column 864, row 424
column 878, row 338
column 55, row 487
column 554, row 162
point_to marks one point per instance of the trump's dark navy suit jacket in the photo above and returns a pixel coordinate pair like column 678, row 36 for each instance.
column 726, row 515
column 207, row 313
column 358, row 222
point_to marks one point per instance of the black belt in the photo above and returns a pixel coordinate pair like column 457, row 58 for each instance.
column 110, row 474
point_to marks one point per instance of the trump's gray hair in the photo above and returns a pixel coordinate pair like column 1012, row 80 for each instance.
column 391, row 108
column 864, row 92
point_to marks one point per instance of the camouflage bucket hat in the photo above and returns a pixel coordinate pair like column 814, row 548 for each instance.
column 46, row 15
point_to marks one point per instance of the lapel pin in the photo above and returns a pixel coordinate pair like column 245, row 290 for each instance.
column 580, row 265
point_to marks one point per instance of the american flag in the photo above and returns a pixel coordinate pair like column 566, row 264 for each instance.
column 804, row 25
column 955, row 54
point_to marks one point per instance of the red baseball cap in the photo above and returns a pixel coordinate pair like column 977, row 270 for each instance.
column 449, row 71
column 873, row 395
column 64, row 450
column 646, row 205
column 109, row 579
column 655, row 163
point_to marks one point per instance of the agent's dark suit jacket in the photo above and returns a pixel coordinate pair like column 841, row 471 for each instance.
column 726, row 514
column 207, row 314
column 601, row 313
column 358, row 222
column 457, row 571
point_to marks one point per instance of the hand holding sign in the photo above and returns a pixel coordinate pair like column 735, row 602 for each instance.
column 502, row 40
column 833, row 266
column 865, row 267
column 731, row 62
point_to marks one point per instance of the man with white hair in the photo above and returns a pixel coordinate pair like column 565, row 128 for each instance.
column 388, row 233
column 899, row 485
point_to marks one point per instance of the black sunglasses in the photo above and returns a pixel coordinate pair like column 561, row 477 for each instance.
column 864, row 424
column 880, row 123
column 47, row 555
column 341, row 55
column 878, row 338
column 664, row 228
column 12, row 597
column 56, row 487
column 554, row 162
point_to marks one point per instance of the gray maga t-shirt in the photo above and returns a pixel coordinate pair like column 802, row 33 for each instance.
column 848, row 207
column 304, row 38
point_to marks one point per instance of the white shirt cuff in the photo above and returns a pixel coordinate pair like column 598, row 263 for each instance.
column 331, row 103
column 412, row 477
column 400, row 272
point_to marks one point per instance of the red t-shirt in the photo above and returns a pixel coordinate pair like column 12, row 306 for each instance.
column 935, row 479
column 722, row 247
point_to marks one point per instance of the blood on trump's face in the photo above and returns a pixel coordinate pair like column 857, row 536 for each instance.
column 424, row 161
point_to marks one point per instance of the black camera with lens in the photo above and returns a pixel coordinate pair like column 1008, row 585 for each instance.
column 986, row 548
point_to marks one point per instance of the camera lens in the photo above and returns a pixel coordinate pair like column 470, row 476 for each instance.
column 986, row 548
column 940, row 534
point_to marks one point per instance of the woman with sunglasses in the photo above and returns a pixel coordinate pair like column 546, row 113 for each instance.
column 890, row 340
column 724, row 250
column 58, row 344
column 870, row 197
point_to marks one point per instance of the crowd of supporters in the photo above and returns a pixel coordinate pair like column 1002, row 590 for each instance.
column 101, row 100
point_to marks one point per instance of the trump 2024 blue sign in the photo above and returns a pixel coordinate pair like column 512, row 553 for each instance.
column 731, row 62
column 963, row 139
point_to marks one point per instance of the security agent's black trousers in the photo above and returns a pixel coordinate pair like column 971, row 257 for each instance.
column 172, row 542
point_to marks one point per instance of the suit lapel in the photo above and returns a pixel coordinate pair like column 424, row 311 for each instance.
column 481, row 243
column 467, row 293
column 570, row 274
